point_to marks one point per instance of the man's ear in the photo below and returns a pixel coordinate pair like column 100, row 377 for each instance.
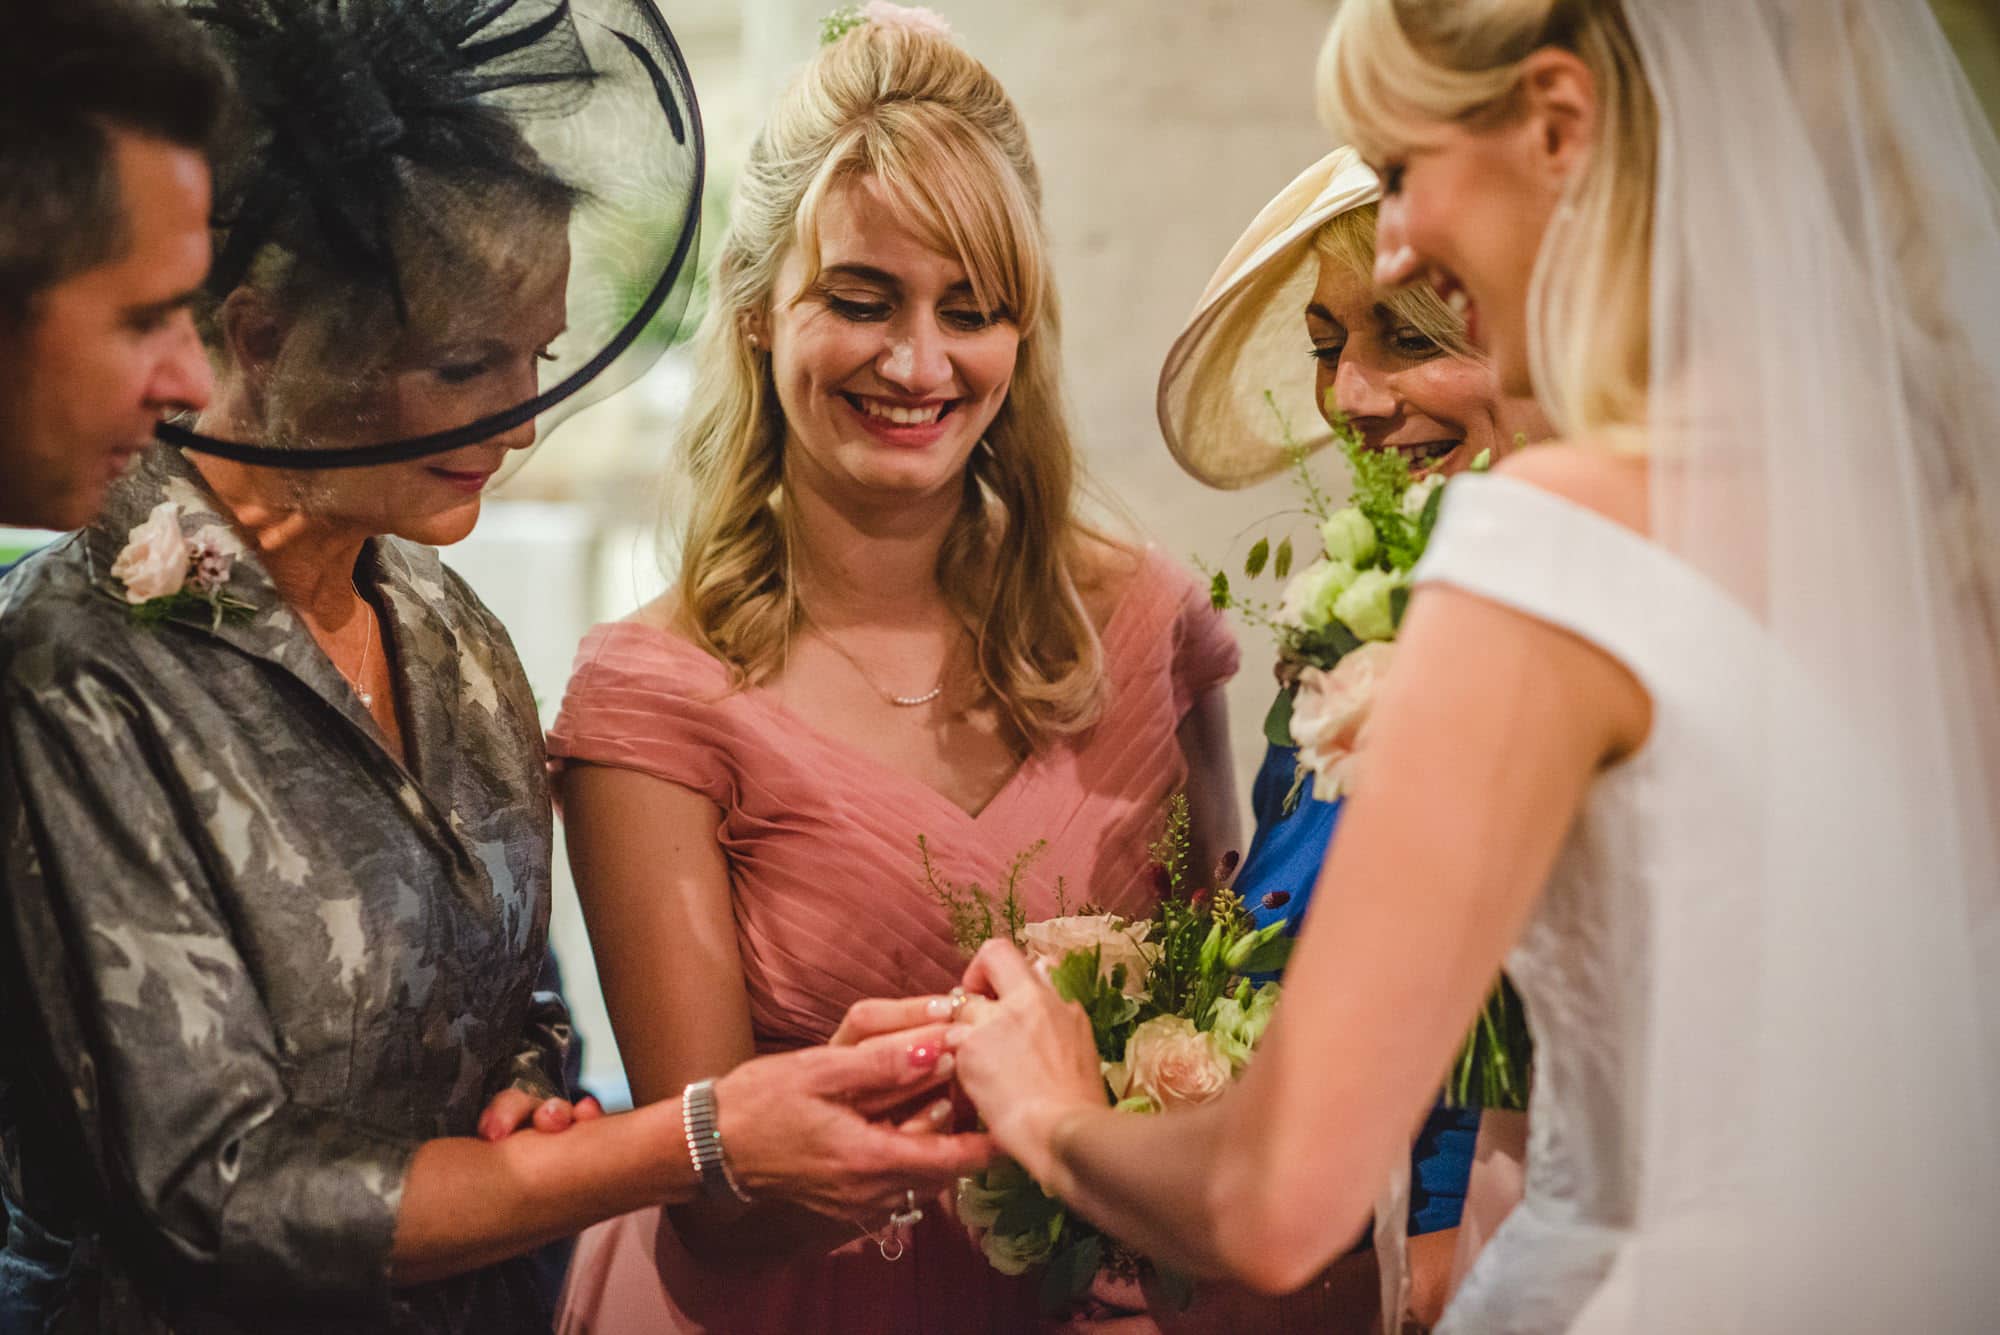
column 1559, row 103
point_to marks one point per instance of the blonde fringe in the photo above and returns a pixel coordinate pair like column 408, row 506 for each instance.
column 937, row 130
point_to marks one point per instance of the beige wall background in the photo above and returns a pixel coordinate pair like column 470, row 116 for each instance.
column 1162, row 126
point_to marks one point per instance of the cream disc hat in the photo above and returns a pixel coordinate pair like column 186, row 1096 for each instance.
column 1246, row 337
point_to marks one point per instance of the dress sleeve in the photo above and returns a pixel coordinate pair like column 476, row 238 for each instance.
column 151, row 1022
column 1205, row 652
column 643, row 701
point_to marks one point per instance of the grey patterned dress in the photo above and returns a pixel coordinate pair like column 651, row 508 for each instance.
column 252, row 959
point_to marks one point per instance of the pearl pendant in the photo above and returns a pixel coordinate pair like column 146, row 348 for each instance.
column 367, row 700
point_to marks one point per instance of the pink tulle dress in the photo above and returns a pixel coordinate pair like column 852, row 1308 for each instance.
column 831, row 907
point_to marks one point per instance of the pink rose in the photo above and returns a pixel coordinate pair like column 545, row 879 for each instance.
column 154, row 563
column 1116, row 940
column 1171, row 1063
column 1330, row 715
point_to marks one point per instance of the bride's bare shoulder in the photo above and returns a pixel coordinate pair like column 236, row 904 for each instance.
column 1607, row 473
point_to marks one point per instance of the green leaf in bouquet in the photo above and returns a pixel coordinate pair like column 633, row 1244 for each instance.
column 1260, row 556
column 1218, row 591
column 1278, row 722
column 1283, row 568
column 1434, row 505
column 1071, row 1270
column 1399, row 603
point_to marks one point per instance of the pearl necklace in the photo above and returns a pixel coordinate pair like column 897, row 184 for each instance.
column 360, row 676
column 899, row 701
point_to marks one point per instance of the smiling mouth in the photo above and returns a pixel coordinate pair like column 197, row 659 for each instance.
column 1423, row 453
column 901, row 414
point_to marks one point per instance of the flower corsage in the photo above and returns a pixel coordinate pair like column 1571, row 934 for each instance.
column 163, row 571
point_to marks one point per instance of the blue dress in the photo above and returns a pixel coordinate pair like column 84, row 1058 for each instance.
column 1276, row 881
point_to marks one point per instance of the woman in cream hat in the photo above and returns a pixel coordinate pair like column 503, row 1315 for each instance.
column 1290, row 331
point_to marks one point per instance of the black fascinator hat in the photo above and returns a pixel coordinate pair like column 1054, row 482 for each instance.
column 438, row 222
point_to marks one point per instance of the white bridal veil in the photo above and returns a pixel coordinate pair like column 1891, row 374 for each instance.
column 1822, row 1090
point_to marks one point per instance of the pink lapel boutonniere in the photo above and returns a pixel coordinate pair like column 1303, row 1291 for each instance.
column 163, row 571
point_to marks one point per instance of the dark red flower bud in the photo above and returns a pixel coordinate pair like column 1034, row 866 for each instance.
column 1277, row 899
column 1226, row 868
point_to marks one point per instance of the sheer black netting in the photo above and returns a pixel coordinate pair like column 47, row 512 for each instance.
column 418, row 190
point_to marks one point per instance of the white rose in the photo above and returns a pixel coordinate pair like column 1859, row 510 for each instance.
column 154, row 563
column 1310, row 597
column 1419, row 495
column 1174, row 1064
column 1116, row 940
column 1331, row 713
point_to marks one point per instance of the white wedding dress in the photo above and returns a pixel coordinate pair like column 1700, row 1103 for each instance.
column 1583, row 963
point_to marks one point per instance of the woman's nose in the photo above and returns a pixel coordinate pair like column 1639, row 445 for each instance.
column 914, row 360
column 1360, row 390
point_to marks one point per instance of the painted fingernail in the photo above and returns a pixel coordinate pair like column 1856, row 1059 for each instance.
column 923, row 1056
column 940, row 1112
column 956, row 1035
column 946, row 1063
column 938, row 1008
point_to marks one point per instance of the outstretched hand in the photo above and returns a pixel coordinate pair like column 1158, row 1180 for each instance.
column 803, row 1126
column 1028, row 1060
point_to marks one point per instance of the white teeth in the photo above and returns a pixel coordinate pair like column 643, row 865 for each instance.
column 889, row 412
column 1459, row 302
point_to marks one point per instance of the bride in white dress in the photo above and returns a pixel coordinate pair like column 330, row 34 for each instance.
column 1697, row 713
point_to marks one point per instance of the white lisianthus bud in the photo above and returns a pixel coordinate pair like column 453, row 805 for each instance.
column 1239, row 1027
column 1309, row 598
column 1419, row 495
column 1366, row 607
column 1348, row 537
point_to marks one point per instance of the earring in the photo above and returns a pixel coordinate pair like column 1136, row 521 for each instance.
column 755, row 341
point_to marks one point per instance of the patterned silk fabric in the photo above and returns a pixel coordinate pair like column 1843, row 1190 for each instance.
column 254, row 960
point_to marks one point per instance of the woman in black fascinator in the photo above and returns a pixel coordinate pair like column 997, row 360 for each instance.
column 277, row 828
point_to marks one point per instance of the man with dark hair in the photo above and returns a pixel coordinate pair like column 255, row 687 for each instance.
column 107, row 110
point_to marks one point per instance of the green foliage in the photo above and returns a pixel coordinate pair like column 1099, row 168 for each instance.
column 840, row 23
column 1170, row 850
column 1260, row 554
column 1080, row 978
column 976, row 916
column 1492, row 1069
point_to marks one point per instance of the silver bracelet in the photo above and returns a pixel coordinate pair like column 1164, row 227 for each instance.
column 704, row 1138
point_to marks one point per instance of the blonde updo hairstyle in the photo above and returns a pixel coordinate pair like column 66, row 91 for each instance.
column 908, row 107
column 1392, row 71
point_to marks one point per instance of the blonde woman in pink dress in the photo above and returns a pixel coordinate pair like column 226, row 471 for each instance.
column 888, row 624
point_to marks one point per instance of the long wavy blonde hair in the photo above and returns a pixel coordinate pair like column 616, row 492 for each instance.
column 1393, row 70
column 911, row 109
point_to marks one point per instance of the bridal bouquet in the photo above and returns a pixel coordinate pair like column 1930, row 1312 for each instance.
column 1335, row 625
column 1176, row 1016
